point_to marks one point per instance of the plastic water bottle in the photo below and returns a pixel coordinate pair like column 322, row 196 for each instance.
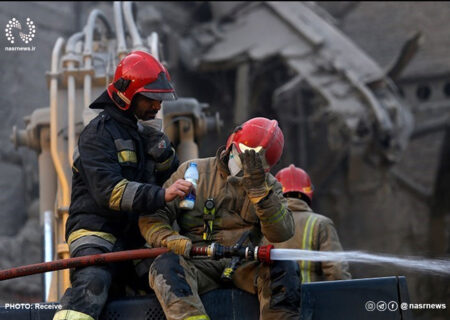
column 190, row 175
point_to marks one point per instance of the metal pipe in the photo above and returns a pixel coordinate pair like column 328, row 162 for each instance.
column 47, row 197
column 57, row 161
column 61, row 174
column 89, row 29
column 187, row 148
column 153, row 42
column 136, row 38
column 87, row 54
column 120, row 32
column 71, row 91
column 48, row 250
column 72, row 41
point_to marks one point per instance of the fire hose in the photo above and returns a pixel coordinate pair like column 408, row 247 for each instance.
column 215, row 251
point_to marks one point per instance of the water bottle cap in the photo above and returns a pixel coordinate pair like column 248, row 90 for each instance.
column 193, row 164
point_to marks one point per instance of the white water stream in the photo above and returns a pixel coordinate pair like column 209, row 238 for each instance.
column 436, row 266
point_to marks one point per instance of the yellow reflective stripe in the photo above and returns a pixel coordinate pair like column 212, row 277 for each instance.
column 275, row 217
column 228, row 272
column 156, row 227
column 311, row 232
column 71, row 315
column 127, row 156
column 117, row 194
column 83, row 232
column 162, row 166
column 202, row 317
column 307, row 245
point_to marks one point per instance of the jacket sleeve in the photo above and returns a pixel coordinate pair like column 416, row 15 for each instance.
column 157, row 226
column 277, row 224
column 165, row 168
column 159, row 148
column 102, row 173
column 329, row 241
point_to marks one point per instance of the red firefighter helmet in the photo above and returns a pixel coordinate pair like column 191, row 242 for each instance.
column 140, row 72
column 262, row 135
column 294, row 179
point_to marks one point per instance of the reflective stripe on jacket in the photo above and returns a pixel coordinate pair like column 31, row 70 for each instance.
column 314, row 232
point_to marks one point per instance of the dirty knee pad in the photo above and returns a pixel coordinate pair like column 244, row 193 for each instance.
column 285, row 286
column 168, row 266
column 89, row 291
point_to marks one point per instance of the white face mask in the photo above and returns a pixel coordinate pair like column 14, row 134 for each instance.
column 234, row 162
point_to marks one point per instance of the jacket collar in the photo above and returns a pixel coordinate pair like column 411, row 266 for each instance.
column 222, row 162
column 296, row 204
column 124, row 117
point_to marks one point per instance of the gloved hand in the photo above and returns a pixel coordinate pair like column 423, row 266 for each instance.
column 178, row 244
column 254, row 180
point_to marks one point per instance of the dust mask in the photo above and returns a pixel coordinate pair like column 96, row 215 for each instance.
column 234, row 162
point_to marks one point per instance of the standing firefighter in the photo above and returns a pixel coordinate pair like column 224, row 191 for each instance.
column 235, row 194
column 312, row 231
column 118, row 168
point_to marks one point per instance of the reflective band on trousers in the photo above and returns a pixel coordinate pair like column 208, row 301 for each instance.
column 307, row 245
column 90, row 240
column 202, row 317
column 83, row 233
column 71, row 315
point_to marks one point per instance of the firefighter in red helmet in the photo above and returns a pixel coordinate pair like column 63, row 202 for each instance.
column 245, row 197
column 312, row 231
column 118, row 169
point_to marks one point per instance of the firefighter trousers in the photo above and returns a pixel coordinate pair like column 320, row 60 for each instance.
column 178, row 282
column 91, row 287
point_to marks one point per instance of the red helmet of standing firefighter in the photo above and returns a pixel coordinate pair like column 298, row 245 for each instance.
column 140, row 72
column 294, row 179
column 260, row 134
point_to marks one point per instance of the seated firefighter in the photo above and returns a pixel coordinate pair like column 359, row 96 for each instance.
column 312, row 231
column 118, row 171
column 245, row 198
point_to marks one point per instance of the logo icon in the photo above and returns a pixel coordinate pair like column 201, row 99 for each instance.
column 381, row 306
column 15, row 24
column 392, row 306
column 404, row 306
column 370, row 306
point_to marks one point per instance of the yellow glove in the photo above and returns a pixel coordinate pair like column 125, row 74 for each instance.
column 178, row 244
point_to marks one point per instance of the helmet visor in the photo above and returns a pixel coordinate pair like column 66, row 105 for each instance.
column 160, row 89
column 160, row 96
